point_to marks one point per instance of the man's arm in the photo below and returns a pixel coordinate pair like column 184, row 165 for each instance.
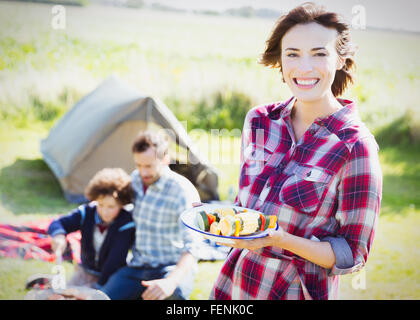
column 182, row 268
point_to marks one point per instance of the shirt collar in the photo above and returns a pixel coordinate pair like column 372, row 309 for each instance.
column 334, row 122
column 160, row 183
column 281, row 109
column 340, row 119
column 287, row 109
column 98, row 219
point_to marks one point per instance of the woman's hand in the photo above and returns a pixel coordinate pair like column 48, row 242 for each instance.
column 273, row 238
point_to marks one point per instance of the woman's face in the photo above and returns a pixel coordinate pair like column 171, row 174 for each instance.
column 310, row 60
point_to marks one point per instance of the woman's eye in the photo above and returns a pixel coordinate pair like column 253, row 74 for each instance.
column 320, row 54
column 292, row 55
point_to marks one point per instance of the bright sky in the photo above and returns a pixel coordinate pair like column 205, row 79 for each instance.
column 391, row 14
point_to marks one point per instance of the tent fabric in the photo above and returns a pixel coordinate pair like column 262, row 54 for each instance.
column 99, row 130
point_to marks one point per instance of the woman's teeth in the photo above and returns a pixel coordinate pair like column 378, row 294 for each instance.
column 306, row 82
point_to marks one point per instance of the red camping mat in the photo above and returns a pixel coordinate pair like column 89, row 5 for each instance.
column 30, row 240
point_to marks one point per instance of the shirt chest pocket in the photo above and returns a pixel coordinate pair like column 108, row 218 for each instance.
column 305, row 188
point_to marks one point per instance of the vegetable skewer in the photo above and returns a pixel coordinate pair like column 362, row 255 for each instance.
column 230, row 222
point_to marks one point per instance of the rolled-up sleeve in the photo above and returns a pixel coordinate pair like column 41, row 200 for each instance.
column 344, row 261
column 359, row 198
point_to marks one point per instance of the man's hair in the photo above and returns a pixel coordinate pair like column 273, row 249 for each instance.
column 114, row 182
column 306, row 13
column 148, row 139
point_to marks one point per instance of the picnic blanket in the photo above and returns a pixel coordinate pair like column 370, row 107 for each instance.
column 29, row 240
column 210, row 251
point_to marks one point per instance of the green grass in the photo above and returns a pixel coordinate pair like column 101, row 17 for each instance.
column 29, row 191
column 14, row 273
column 401, row 185
column 188, row 62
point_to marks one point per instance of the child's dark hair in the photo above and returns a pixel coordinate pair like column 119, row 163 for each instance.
column 114, row 182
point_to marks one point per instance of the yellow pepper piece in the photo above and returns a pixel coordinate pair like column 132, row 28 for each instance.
column 237, row 228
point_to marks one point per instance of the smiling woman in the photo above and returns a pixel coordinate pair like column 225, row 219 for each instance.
column 320, row 172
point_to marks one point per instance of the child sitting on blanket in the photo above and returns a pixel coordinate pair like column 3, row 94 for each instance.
column 107, row 229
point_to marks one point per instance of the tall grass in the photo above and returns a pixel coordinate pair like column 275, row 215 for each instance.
column 190, row 62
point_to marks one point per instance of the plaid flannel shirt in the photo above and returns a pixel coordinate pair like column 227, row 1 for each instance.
column 161, row 237
column 327, row 185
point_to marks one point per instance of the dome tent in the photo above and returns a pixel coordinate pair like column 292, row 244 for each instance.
column 99, row 130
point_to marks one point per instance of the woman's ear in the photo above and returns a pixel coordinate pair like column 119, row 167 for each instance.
column 282, row 76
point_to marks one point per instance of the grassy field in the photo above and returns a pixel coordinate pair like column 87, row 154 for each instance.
column 184, row 60
column 29, row 191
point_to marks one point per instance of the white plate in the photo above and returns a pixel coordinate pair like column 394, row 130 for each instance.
column 189, row 216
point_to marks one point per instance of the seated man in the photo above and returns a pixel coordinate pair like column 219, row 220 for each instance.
column 162, row 265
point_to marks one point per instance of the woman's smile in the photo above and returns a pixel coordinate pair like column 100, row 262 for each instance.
column 306, row 83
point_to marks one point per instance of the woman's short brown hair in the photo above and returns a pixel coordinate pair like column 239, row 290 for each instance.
column 114, row 182
column 306, row 13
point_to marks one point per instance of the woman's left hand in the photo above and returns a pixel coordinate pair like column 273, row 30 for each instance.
column 273, row 238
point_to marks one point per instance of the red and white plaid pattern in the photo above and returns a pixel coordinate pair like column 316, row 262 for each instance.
column 329, row 183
